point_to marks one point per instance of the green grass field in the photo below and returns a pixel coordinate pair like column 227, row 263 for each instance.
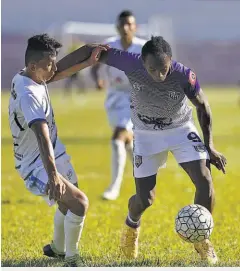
column 27, row 222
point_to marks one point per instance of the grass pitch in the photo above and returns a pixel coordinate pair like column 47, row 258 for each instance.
column 27, row 222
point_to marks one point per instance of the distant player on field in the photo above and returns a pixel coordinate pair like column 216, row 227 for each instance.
column 40, row 157
column 162, row 122
column 117, row 102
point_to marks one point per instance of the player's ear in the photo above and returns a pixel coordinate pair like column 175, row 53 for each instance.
column 32, row 66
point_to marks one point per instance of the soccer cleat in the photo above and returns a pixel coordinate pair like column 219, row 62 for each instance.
column 50, row 251
column 206, row 251
column 110, row 194
column 73, row 261
column 129, row 241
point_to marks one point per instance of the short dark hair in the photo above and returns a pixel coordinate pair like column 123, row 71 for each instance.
column 124, row 14
column 157, row 46
column 39, row 44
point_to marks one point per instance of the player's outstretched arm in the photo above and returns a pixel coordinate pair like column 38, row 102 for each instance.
column 79, row 59
column 56, row 186
column 205, row 120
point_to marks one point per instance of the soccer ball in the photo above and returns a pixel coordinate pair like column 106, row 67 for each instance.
column 194, row 223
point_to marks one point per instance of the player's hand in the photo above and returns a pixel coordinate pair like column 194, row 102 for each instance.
column 56, row 188
column 96, row 53
column 217, row 159
column 100, row 84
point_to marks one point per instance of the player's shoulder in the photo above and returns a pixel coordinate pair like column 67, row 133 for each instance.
column 111, row 40
column 138, row 41
column 187, row 72
column 23, row 85
column 188, row 75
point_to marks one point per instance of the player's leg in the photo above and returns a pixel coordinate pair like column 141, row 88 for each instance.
column 200, row 174
column 145, row 170
column 193, row 158
column 69, row 218
column 121, row 143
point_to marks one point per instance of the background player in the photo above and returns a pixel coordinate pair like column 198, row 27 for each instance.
column 40, row 157
column 117, row 102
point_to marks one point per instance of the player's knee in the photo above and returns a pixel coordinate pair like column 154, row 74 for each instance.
column 80, row 204
column 146, row 199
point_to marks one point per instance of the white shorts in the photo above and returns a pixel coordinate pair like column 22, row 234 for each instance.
column 36, row 183
column 151, row 148
column 120, row 118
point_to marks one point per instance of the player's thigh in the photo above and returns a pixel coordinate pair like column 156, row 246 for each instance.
column 37, row 184
column 148, row 165
column 66, row 169
column 123, row 134
column 200, row 173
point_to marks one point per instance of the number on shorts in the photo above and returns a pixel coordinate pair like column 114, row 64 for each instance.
column 194, row 137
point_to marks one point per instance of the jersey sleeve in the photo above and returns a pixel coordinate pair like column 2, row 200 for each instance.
column 122, row 60
column 193, row 87
column 32, row 109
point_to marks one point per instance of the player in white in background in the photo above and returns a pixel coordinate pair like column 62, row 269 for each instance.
column 117, row 102
column 40, row 157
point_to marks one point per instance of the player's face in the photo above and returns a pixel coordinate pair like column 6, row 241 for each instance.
column 157, row 69
column 127, row 27
column 45, row 68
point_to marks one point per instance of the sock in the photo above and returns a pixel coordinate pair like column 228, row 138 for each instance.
column 73, row 225
column 118, row 163
column 131, row 223
column 58, row 236
column 129, row 148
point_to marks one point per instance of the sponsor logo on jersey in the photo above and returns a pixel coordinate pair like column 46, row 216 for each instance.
column 159, row 123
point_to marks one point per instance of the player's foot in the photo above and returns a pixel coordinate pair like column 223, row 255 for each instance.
column 110, row 194
column 206, row 251
column 73, row 261
column 129, row 241
column 50, row 251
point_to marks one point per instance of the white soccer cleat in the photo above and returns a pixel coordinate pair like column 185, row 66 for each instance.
column 110, row 194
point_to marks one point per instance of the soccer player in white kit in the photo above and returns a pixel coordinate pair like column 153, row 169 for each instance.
column 117, row 102
column 40, row 157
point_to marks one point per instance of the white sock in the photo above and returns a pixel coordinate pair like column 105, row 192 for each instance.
column 129, row 148
column 118, row 163
column 73, row 225
column 58, row 236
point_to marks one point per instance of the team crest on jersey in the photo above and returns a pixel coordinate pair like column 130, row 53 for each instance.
column 137, row 86
column 174, row 95
column 192, row 78
column 138, row 160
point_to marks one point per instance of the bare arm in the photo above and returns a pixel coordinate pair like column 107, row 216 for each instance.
column 79, row 59
column 204, row 115
column 56, row 186
column 205, row 120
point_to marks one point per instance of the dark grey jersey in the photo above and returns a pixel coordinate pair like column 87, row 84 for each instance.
column 156, row 105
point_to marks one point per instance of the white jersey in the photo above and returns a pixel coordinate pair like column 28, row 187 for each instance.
column 29, row 102
column 118, row 85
